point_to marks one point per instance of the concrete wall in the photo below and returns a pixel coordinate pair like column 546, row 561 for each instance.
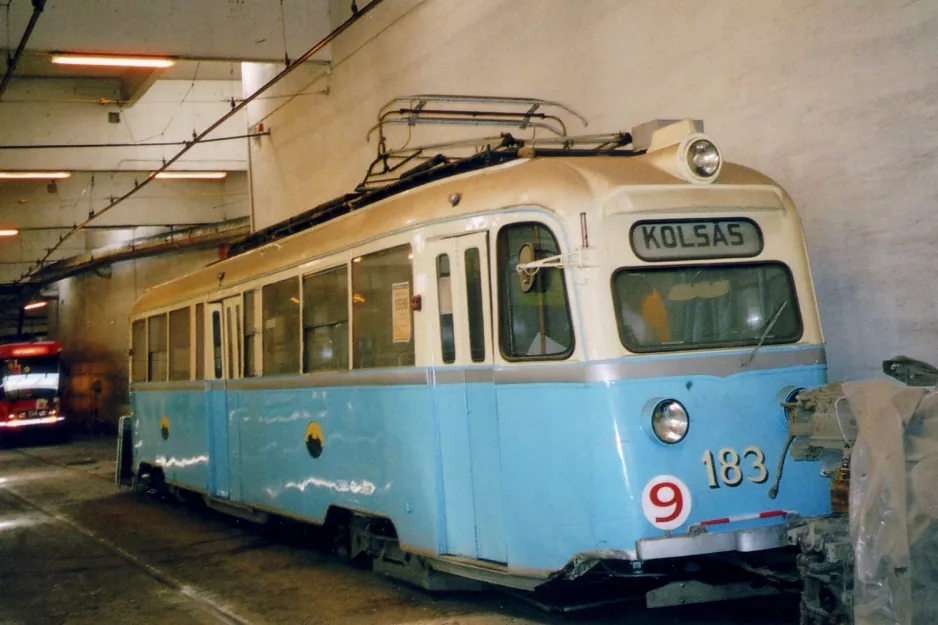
column 835, row 100
column 44, row 213
column 75, row 111
column 90, row 319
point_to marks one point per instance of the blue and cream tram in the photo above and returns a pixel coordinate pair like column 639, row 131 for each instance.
column 509, row 373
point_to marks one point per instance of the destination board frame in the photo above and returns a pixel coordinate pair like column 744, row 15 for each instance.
column 714, row 253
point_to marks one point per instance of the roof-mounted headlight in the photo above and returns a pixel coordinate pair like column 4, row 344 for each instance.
column 703, row 158
column 699, row 158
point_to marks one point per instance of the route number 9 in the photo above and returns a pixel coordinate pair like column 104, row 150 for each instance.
column 666, row 502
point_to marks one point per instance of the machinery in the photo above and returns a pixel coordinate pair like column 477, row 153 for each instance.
column 870, row 561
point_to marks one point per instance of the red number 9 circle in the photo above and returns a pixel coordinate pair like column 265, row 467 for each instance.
column 666, row 502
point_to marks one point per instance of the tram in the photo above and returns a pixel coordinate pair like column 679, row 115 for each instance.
column 30, row 386
column 551, row 358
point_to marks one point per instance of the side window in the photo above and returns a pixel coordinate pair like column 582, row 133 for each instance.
column 325, row 320
column 216, row 344
column 444, row 290
column 474, row 301
column 179, row 321
column 281, row 317
column 250, row 332
column 200, row 341
column 138, row 360
column 534, row 318
column 157, row 360
column 382, row 321
column 230, row 334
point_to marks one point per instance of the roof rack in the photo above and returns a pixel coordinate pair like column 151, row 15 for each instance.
column 406, row 167
column 523, row 114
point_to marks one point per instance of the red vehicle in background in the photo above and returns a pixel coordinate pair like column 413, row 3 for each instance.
column 30, row 386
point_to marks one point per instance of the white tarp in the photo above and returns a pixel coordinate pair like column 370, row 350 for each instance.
column 894, row 503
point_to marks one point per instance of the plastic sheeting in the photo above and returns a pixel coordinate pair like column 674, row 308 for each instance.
column 894, row 503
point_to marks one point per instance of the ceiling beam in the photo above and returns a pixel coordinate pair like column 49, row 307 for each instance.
column 135, row 85
column 257, row 30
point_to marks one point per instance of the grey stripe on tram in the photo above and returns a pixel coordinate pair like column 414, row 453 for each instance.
column 640, row 367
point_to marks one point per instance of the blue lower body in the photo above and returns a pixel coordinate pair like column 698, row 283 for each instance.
column 528, row 475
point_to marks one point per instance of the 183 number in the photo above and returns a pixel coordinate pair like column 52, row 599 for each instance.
column 730, row 470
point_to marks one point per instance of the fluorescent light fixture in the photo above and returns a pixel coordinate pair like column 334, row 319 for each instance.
column 191, row 175
column 34, row 175
column 34, row 305
column 112, row 61
column 8, row 232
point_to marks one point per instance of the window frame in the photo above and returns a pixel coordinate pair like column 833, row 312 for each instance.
column 217, row 340
column 198, row 340
column 385, row 246
column 499, row 300
column 348, row 318
column 142, row 355
column 254, row 337
column 150, row 353
column 188, row 337
column 616, row 303
column 475, row 330
column 445, row 320
column 264, row 294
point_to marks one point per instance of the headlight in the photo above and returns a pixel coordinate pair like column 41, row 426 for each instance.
column 703, row 158
column 669, row 421
column 793, row 411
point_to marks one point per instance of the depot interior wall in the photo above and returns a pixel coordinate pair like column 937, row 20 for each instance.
column 90, row 319
column 835, row 100
column 79, row 111
column 43, row 212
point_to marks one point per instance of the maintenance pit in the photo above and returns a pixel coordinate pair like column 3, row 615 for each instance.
column 75, row 549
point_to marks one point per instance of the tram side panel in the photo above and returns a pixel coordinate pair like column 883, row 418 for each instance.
column 169, row 431
column 364, row 448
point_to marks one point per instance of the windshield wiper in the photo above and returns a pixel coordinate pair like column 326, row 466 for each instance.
column 765, row 334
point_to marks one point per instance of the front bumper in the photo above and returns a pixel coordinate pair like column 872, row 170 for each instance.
column 700, row 541
column 19, row 424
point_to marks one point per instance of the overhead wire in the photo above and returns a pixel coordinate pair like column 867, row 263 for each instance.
column 287, row 98
column 108, row 102
column 201, row 136
column 147, row 198
column 78, row 146
column 283, row 32
column 12, row 61
column 6, row 5
column 172, row 118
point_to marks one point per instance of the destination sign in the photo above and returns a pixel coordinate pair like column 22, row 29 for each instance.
column 692, row 239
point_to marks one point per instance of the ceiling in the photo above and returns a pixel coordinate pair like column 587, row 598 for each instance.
column 69, row 104
column 229, row 30
column 208, row 39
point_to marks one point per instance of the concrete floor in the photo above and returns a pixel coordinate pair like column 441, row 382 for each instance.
column 75, row 550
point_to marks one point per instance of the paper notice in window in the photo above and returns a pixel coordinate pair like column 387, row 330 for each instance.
column 400, row 311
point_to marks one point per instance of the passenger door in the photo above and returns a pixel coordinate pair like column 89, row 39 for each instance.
column 224, row 352
column 233, row 339
column 459, row 305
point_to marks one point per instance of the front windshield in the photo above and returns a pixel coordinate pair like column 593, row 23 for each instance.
column 699, row 307
column 25, row 378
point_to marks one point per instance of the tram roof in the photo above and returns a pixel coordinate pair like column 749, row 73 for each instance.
column 566, row 186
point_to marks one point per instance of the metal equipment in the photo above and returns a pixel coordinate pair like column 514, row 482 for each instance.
column 871, row 562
